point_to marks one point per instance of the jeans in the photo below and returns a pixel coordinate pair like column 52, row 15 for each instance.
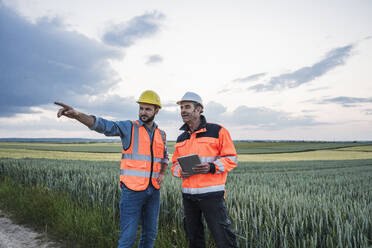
column 214, row 211
column 135, row 206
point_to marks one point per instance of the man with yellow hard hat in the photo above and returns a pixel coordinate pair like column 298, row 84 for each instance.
column 143, row 165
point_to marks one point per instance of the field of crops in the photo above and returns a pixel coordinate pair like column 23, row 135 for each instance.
column 248, row 151
column 296, row 200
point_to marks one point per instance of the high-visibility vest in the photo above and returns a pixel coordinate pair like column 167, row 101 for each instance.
column 142, row 159
column 213, row 144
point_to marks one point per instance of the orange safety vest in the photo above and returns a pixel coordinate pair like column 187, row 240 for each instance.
column 213, row 144
column 142, row 159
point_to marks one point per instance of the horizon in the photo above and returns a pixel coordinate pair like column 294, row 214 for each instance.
column 118, row 140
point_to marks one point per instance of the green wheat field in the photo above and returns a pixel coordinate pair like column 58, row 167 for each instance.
column 282, row 194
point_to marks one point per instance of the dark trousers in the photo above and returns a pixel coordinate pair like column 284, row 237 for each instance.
column 214, row 211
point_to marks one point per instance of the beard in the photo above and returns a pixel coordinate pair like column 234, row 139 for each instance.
column 146, row 119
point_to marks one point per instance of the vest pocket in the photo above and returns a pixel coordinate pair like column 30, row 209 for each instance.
column 207, row 145
column 159, row 150
column 181, row 148
column 136, row 164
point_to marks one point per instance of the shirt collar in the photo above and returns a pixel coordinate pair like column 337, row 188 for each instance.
column 141, row 123
column 203, row 124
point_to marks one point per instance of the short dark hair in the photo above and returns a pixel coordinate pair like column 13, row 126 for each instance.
column 196, row 104
column 156, row 107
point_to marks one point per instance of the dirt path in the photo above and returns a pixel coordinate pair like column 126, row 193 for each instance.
column 16, row 236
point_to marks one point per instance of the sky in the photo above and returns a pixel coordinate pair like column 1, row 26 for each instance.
column 266, row 70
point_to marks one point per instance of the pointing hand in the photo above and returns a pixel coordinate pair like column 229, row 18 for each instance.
column 66, row 111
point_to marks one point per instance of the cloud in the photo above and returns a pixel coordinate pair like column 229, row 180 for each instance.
column 347, row 101
column 170, row 104
column 114, row 106
column 250, row 78
column 235, row 85
column 154, row 59
column 318, row 89
column 225, row 90
column 43, row 62
column 127, row 33
column 257, row 117
column 215, row 110
column 334, row 58
column 368, row 111
column 268, row 118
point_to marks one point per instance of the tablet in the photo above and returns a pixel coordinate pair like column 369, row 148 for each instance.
column 189, row 161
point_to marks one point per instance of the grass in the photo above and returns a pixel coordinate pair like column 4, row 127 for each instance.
column 305, row 151
column 297, row 199
column 288, row 147
column 271, row 204
column 73, row 223
column 329, row 154
column 303, row 204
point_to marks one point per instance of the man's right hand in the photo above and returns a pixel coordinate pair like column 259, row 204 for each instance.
column 185, row 174
column 66, row 111
column 69, row 112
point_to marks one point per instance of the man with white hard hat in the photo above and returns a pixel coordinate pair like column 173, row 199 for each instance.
column 143, row 165
column 203, row 191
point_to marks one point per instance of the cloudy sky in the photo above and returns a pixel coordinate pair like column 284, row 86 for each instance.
column 286, row 69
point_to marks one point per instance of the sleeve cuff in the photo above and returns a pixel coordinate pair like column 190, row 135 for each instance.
column 165, row 161
column 212, row 168
column 94, row 127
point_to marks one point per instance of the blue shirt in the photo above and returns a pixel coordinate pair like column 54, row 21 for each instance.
column 124, row 130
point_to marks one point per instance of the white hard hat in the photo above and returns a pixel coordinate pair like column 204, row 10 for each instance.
column 191, row 97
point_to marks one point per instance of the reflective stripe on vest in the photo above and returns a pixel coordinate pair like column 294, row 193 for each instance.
column 214, row 160
column 209, row 189
column 178, row 166
column 136, row 173
column 140, row 157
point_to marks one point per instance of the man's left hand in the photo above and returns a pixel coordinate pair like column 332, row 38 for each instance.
column 203, row 168
column 160, row 178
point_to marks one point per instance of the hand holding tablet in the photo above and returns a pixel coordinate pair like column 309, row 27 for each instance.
column 188, row 162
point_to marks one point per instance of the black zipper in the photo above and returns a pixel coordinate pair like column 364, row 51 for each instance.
column 152, row 156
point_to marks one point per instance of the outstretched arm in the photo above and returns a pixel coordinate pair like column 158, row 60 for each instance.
column 69, row 112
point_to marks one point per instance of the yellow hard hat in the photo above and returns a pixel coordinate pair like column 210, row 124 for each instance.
column 150, row 97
